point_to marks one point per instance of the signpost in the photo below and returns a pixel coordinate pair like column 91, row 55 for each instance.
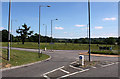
column 89, row 27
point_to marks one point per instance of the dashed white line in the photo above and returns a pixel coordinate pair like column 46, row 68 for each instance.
column 65, row 71
column 73, row 73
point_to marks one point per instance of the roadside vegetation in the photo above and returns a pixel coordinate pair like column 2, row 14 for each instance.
column 28, row 39
column 20, row 57
column 59, row 46
column 105, row 52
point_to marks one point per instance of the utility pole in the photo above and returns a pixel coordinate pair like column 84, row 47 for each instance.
column 39, row 52
column 51, row 36
column 45, row 36
column 89, row 27
column 8, row 55
column 51, row 33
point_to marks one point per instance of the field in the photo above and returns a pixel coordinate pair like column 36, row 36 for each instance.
column 58, row 46
column 21, row 57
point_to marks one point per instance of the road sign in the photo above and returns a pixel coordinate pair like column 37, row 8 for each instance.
column 81, row 59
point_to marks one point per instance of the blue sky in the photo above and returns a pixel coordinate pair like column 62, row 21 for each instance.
column 72, row 18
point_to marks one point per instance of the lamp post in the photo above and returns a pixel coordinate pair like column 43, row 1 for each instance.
column 39, row 52
column 8, row 54
column 89, row 27
column 51, row 33
column 45, row 35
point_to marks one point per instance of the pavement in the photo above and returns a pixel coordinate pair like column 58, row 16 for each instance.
column 59, row 66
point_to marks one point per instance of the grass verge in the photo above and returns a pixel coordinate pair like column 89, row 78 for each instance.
column 105, row 52
column 58, row 46
column 21, row 57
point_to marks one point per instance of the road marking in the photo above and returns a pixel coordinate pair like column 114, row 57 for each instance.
column 93, row 67
column 73, row 73
column 107, row 65
column 65, row 71
column 116, row 62
column 53, row 70
column 73, row 62
column 46, row 76
column 75, row 67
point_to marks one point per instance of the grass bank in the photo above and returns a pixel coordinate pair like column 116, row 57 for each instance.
column 59, row 46
column 21, row 57
column 105, row 52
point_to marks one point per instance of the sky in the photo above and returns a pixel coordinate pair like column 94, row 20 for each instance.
column 72, row 18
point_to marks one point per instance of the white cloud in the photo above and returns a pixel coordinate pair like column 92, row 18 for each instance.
column 108, row 19
column 98, row 27
column 1, row 28
column 79, row 25
column 59, row 28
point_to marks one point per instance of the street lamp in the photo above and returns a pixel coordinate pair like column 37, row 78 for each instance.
column 39, row 52
column 8, row 50
column 51, row 32
column 45, row 35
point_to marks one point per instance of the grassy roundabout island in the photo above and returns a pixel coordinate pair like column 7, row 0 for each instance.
column 20, row 57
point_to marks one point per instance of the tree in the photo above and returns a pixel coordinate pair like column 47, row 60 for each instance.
column 4, row 35
column 118, row 41
column 84, row 41
column 110, row 40
column 24, row 32
column 76, row 41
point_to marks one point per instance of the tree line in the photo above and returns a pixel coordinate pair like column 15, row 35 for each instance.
column 27, row 36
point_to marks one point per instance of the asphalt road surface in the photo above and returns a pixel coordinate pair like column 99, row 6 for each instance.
column 59, row 66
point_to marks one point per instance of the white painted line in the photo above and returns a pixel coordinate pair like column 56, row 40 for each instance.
column 65, row 71
column 73, row 62
column 93, row 67
column 53, row 70
column 46, row 76
column 107, row 65
column 77, row 58
column 73, row 73
column 75, row 67
column 116, row 62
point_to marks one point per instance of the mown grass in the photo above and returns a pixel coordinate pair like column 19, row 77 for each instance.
column 105, row 52
column 59, row 46
column 18, row 57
